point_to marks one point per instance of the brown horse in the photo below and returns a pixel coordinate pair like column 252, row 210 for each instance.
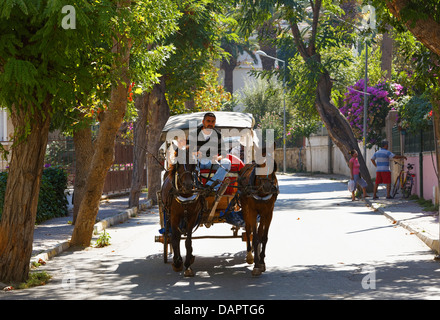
column 183, row 206
column 258, row 193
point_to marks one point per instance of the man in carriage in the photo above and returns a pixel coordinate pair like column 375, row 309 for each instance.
column 209, row 147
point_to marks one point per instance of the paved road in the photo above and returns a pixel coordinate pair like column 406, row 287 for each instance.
column 321, row 246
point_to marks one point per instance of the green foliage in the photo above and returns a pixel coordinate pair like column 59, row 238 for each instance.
column 73, row 68
column 146, row 24
column 262, row 96
column 272, row 121
column 36, row 279
column 264, row 99
column 197, row 45
column 302, row 125
column 326, row 45
column 417, row 68
column 60, row 152
column 210, row 97
column 37, row 55
column 103, row 240
column 150, row 24
column 52, row 201
column 415, row 113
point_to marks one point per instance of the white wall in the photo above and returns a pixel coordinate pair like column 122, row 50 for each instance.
column 317, row 157
column 241, row 73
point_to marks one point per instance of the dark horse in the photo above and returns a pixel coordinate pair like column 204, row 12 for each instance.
column 183, row 205
column 258, row 188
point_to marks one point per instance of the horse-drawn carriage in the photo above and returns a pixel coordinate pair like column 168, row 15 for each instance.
column 186, row 200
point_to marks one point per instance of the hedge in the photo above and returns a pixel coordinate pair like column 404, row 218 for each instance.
column 52, row 201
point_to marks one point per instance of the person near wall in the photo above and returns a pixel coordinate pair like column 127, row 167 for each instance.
column 355, row 175
column 381, row 160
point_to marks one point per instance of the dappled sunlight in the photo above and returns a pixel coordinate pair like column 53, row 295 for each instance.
column 321, row 246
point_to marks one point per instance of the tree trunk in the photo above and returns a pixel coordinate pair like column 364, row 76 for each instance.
column 338, row 127
column 228, row 67
column 387, row 54
column 82, row 140
column 21, row 196
column 105, row 145
column 426, row 30
column 139, row 150
column 158, row 114
column 101, row 161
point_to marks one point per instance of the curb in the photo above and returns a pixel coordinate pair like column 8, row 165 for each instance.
column 98, row 227
column 433, row 244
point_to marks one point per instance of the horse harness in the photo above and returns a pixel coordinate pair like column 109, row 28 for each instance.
column 251, row 189
column 182, row 199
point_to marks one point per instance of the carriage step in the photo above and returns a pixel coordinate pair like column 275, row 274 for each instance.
column 161, row 239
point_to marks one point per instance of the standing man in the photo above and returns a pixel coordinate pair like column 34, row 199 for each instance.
column 381, row 160
column 211, row 151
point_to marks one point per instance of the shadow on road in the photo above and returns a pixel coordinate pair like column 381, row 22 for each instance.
column 230, row 273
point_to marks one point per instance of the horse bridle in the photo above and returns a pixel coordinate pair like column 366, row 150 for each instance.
column 179, row 176
column 253, row 190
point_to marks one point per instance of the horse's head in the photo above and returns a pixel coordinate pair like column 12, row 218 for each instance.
column 265, row 178
column 184, row 174
column 260, row 179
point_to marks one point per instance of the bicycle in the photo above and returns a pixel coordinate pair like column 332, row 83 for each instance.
column 404, row 181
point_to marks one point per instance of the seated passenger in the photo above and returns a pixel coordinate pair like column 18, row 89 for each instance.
column 210, row 150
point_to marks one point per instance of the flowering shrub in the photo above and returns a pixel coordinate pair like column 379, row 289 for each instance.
column 381, row 99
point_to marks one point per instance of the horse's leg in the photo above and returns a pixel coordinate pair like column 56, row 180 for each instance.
column 249, row 255
column 255, row 245
column 175, row 241
column 263, row 230
column 189, row 260
column 265, row 220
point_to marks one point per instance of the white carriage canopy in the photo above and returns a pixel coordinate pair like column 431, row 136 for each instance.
column 236, row 128
column 224, row 120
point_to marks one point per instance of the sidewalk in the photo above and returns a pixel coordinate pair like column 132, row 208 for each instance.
column 403, row 212
column 52, row 237
column 407, row 214
column 410, row 215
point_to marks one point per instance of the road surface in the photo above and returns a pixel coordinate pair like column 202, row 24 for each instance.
column 321, row 246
